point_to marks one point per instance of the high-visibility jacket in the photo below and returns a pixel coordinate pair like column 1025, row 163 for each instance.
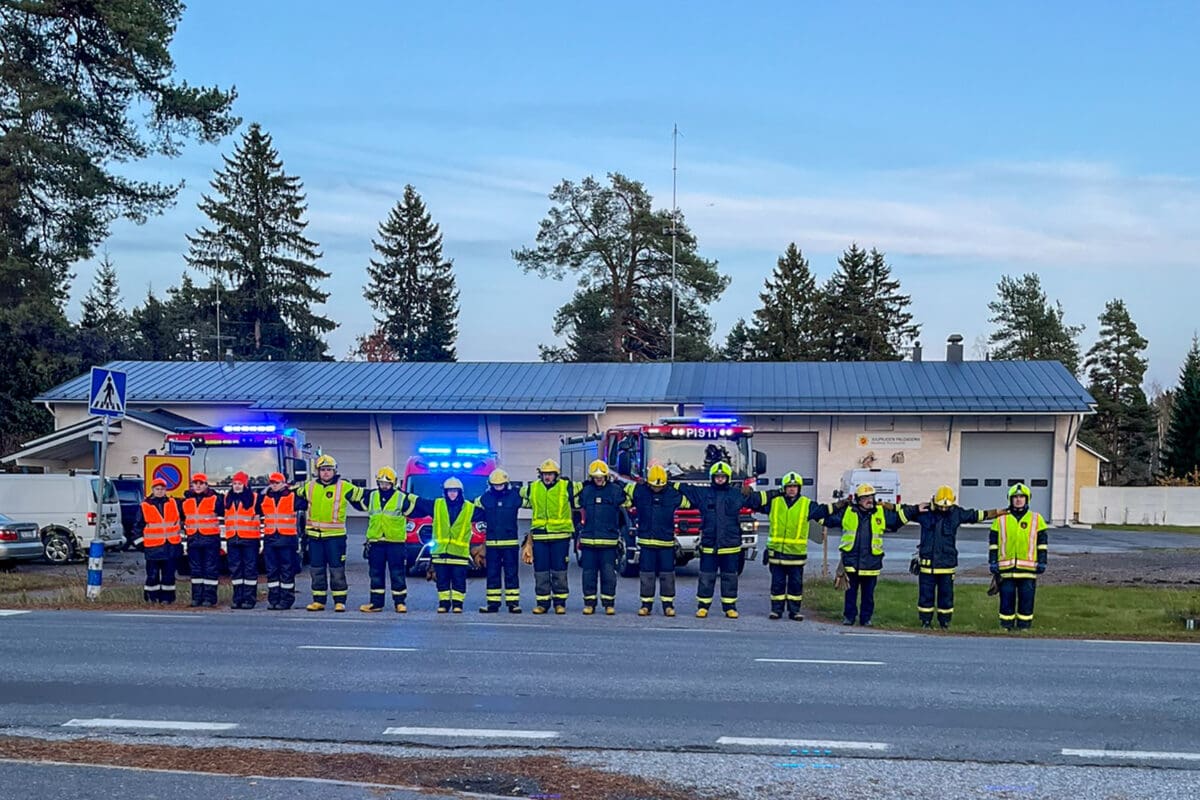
column 551, row 509
column 387, row 520
column 498, row 510
column 451, row 537
column 327, row 506
column 655, row 513
column 161, row 527
column 200, row 514
column 279, row 513
column 862, row 538
column 788, row 526
column 1017, row 544
column 601, row 506
column 241, row 518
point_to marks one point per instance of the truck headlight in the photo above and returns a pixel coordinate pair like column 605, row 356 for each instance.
column 749, row 527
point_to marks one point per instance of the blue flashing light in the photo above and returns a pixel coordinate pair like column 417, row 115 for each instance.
column 471, row 451
column 429, row 450
column 445, row 465
column 717, row 420
column 248, row 428
column 468, row 464
column 289, row 431
column 457, row 465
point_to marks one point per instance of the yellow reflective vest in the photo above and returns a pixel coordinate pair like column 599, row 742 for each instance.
column 327, row 506
column 387, row 521
column 451, row 537
column 788, row 526
column 551, row 509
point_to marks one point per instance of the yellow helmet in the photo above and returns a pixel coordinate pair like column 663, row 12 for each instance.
column 326, row 461
column 598, row 469
column 386, row 474
column 864, row 490
column 720, row 468
column 791, row 479
column 944, row 497
column 498, row 477
column 1019, row 488
column 549, row 465
column 657, row 476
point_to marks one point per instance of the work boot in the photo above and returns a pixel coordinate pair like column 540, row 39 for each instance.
column 927, row 624
column 797, row 617
column 847, row 621
column 866, row 623
column 313, row 606
column 456, row 610
column 196, row 604
column 644, row 611
column 774, row 615
column 488, row 609
column 369, row 609
column 443, row 610
column 701, row 613
column 401, row 608
column 944, row 625
column 560, row 609
column 669, row 611
column 513, row 608
column 338, row 607
column 540, row 609
column 731, row 613
column 587, row 610
column 609, row 610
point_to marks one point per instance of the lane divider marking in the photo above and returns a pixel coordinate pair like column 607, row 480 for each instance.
column 470, row 733
column 822, row 743
column 150, row 724
column 353, row 647
column 1139, row 754
column 818, row 661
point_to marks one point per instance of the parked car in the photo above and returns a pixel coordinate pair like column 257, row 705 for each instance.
column 130, row 493
column 63, row 506
column 886, row 483
column 19, row 541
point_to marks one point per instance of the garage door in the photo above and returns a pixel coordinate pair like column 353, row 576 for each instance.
column 992, row 462
column 788, row 452
column 522, row 451
column 446, row 430
column 350, row 446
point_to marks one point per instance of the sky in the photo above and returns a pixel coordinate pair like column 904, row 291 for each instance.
column 964, row 140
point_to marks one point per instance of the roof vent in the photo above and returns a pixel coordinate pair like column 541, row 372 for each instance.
column 954, row 348
column 916, row 352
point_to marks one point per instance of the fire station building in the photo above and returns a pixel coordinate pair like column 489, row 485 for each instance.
column 978, row 426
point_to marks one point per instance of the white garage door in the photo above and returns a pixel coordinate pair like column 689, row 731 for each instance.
column 787, row 452
column 522, row 451
column 350, row 446
column 992, row 462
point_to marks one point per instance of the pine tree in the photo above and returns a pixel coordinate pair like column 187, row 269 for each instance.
column 103, row 324
column 1123, row 426
column 1029, row 327
column 1182, row 455
column 192, row 311
column 787, row 325
column 156, row 338
column 740, row 343
column 257, row 241
column 863, row 316
column 411, row 287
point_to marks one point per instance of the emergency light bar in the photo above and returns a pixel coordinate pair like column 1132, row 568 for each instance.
column 248, row 428
column 434, row 451
column 450, row 464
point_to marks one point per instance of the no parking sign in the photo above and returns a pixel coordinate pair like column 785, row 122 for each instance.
column 175, row 470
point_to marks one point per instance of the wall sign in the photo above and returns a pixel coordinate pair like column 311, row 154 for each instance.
column 892, row 441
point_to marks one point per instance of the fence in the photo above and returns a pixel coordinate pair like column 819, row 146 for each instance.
column 1139, row 505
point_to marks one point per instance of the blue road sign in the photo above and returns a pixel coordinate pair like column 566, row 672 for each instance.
column 107, row 398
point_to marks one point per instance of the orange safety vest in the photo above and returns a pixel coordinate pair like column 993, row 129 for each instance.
column 241, row 522
column 200, row 516
column 279, row 517
column 160, row 528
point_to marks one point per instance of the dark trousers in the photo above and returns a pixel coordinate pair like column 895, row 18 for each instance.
column 280, row 557
column 503, row 562
column 451, row 579
column 160, row 574
column 787, row 587
column 599, row 565
column 384, row 560
column 1016, row 602
column 935, row 592
column 327, row 566
column 865, row 584
column 204, row 562
column 710, row 564
column 657, row 562
column 243, row 571
column 550, row 571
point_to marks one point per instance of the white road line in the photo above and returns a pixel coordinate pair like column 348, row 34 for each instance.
column 526, row 653
column 822, row 743
column 1131, row 641
column 151, row 724
column 504, row 624
column 4, row 612
column 348, row 647
column 158, row 616
column 687, row 630
column 817, row 661
column 1141, row 754
column 888, row 635
column 471, row 733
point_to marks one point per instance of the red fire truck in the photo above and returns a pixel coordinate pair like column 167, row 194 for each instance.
column 423, row 476
column 258, row 449
column 686, row 447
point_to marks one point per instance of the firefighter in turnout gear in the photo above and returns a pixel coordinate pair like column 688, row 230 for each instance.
column 789, row 513
column 720, row 507
column 601, row 501
column 385, row 547
column 655, row 504
column 497, row 509
column 203, row 514
column 1017, row 550
column 552, row 529
column 243, row 540
column 450, row 554
column 281, row 510
column 937, row 553
column 863, row 526
column 158, row 528
column 328, row 497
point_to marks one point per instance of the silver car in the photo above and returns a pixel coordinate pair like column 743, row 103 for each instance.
column 19, row 541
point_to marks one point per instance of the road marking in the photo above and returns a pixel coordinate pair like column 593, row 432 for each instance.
column 888, row 635
column 158, row 616
column 817, row 661
column 831, row 745
column 1143, row 754
column 348, row 647
column 526, row 653
column 4, row 612
column 471, row 733
column 151, row 724
column 1130, row 641
column 504, row 624
column 688, row 630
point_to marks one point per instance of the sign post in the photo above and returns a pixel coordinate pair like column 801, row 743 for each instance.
column 107, row 401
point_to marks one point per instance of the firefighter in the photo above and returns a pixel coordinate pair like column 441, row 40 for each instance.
column 655, row 504
column 552, row 529
column 1017, row 550
column 203, row 514
column 243, row 540
column 450, row 555
column 386, row 535
column 601, row 501
column 937, row 552
column 497, row 508
column 863, row 525
column 720, row 507
column 281, row 510
column 328, row 497
column 158, row 528
column 788, row 514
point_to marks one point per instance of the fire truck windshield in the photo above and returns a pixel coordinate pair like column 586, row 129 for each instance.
column 430, row 486
column 689, row 459
column 220, row 463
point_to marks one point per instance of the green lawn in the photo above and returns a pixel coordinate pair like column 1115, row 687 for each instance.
column 1150, row 528
column 1083, row 611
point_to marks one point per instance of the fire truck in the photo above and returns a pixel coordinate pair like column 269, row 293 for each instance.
column 423, row 476
column 257, row 449
column 686, row 447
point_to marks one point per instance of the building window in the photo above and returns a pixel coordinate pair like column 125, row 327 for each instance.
column 1041, row 483
column 1015, row 481
column 992, row 482
column 970, row 481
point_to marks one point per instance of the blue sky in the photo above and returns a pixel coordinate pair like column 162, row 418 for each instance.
column 965, row 140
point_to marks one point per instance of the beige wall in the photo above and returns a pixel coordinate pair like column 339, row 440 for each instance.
column 1087, row 473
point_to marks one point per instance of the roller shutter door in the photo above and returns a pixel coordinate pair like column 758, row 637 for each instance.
column 522, row 451
column 788, row 452
column 350, row 446
column 992, row 462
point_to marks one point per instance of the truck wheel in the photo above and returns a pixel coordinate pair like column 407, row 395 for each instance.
column 58, row 548
column 741, row 561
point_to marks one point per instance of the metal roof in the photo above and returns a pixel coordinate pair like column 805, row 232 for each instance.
column 900, row 387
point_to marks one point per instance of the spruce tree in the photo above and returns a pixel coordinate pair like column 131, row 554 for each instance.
column 1029, row 328
column 1123, row 426
column 411, row 287
column 256, row 241
column 103, row 324
column 1182, row 456
column 787, row 324
column 155, row 336
column 192, row 311
column 740, row 343
column 863, row 316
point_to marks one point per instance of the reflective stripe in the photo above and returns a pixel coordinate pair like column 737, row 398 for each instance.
column 1011, row 547
column 279, row 516
column 200, row 515
column 788, row 532
column 161, row 527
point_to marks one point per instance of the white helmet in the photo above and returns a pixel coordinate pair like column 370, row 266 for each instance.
column 452, row 483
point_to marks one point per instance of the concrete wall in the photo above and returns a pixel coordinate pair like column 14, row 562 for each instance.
column 1087, row 473
column 1139, row 505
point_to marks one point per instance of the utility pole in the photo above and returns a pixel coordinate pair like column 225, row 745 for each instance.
column 674, row 225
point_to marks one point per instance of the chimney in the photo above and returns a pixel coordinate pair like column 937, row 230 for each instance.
column 954, row 349
column 916, row 353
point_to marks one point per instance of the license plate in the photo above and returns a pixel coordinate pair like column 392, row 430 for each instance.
column 30, row 533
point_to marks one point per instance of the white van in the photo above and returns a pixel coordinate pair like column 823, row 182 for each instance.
column 64, row 508
column 885, row 481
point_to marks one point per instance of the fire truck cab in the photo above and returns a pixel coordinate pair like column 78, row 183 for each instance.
column 423, row 476
column 254, row 448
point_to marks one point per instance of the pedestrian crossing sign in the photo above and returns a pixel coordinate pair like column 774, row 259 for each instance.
column 107, row 397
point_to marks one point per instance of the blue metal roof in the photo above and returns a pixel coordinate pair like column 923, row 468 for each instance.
column 899, row 387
